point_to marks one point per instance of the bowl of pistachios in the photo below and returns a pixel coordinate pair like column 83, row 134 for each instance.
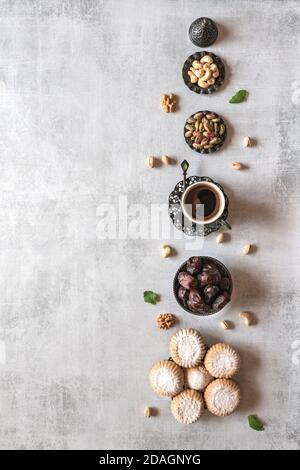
column 205, row 132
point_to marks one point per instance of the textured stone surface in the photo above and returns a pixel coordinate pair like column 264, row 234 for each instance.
column 79, row 112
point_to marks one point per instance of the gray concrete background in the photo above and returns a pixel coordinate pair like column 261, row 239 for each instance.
column 79, row 112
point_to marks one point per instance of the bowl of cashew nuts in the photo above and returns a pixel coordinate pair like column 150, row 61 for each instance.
column 203, row 72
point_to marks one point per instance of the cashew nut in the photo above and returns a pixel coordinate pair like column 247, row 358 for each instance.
column 207, row 59
column 196, row 64
column 206, row 76
column 206, row 67
column 211, row 81
column 216, row 74
column 202, row 84
column 193, row 77
column 213, row 67
column 197, row 73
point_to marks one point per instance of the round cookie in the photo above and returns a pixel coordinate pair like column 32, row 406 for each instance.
column 222, row 396
column 188, row 406
column 187, row 347
column 198, row 377
column 222, row 361
column 166, row 378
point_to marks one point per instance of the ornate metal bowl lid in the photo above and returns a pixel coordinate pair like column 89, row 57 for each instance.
column 203, row 32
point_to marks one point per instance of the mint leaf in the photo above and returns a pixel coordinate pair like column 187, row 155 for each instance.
column 239, row 97
column 150, row 297
column 255, row 423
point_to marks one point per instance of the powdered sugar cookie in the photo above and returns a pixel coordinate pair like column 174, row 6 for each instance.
column 166, row 378
column 188, row 406
column 222, row 396
column 187, row 347
column 222, row 361
column 198, row 377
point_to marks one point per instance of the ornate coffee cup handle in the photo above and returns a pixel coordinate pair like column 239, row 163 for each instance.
column 225, row 224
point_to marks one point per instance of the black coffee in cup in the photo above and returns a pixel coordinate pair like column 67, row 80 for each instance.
column 203, row 202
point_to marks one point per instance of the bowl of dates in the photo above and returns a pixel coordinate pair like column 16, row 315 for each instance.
column 202, row 285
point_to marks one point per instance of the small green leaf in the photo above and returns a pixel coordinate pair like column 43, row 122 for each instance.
column 151, row 297
column 255, row 423
column 185, row 165
column 239, row 97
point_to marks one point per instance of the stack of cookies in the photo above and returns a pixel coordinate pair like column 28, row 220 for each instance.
column 195, row 377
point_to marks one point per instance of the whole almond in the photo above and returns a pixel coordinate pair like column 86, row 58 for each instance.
column 166, row 251
column 236, row 165
column 247, row 142
column 247, row 249
column 220, row 238
column 166, row 160
column 151, row 162
column 225, row 324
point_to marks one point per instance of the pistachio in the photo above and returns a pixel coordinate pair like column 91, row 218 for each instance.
column 247, row 142
column 247, row 318
column 151, row 162
column 189, row 127
column 236, row 165
column 188, row 134
column 198, row 115
column 247, row 249
column 225, row 324
column 166, row 251
column 210, row 116
column 220, row 238
column 222, row 129
column 190, row 120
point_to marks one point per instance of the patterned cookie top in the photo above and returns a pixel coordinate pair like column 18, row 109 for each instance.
column 187, row 347
column 188, row 406
column 222, row 396
column 222, row 361
column 166, row 378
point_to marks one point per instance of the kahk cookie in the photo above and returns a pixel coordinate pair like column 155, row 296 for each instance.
column 222, row 396
column 188, row 406
column 166, row 378
column 187, row 347
column 222, row 361
column 198, row 377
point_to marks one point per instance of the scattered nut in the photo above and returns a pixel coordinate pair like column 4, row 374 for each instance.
column 151, row 162
column 247, row 249
column 166, row 160
column 247, row 317
column 165, row 321
column 220, row 238
column 225, row 324
column 236, row 165
column 167, row 103
column 166, row 251
column 247, row 142
column 147, row 412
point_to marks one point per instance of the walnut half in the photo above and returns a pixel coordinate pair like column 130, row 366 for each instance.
column 167, row 103
column 165, row 321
